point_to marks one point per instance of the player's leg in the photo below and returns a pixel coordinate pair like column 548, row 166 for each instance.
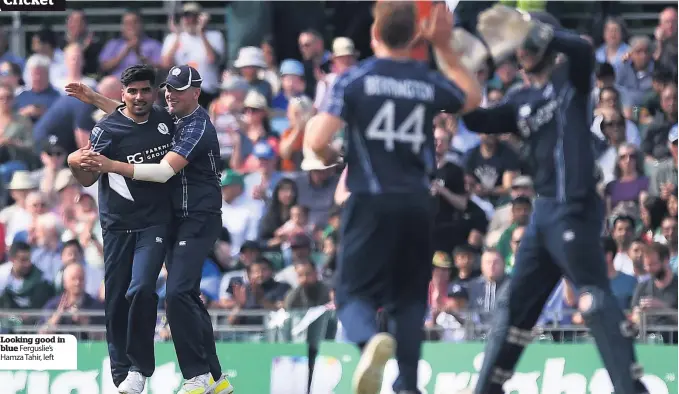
column 412, row 273
column 368, row 240
column 188, row 318
column 118, row 255
column 574, row 242
column 149, row 255
column 518, row 307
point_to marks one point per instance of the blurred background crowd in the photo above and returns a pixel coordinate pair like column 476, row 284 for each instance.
column 266, row 67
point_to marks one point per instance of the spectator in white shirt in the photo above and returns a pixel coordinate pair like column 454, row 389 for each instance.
column 192, row 44
column 15, row 217
column 240, row 212
column 73, row 66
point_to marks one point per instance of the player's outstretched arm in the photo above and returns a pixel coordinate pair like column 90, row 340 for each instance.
column 580, row 58
column 497, row 120
column 87, row 95
column 320, row 131
column 150, row 172
column 439, row 31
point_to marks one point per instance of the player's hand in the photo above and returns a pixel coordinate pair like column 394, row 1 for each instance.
column 93, row 161
column 74, row 159
column 438, row 29
column 505, row 29
column 203, row 20
column 80, row 91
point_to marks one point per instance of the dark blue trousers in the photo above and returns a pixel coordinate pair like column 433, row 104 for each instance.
column 562, row 239
column 132, row 262
column 193, row 239
column 385, row 261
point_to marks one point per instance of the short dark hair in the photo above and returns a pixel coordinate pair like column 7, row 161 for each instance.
column 463, row 249
column 18, row 246
column 395, row 22
column 609, row 245
column 46, row 35
column 663, row 75
column 522, row 200
column 140, row 72
column 604, row 70
column 313, row 32
column 661, row 250
column 260, row 261
column 625, row 218
column 74, row 243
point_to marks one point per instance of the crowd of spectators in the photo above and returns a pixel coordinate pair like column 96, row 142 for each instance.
column 282, row 206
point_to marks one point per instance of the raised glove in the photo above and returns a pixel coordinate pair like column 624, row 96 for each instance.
column 472, row 51
column 505, row 29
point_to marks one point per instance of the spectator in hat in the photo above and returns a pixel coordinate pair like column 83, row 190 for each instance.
column 257, row 129
column 5, row 54
column 33, row 102
column 438, row 287
column 133, row 46
column 240, row 212
column 226, row 113
column 292, row 84
column 261, row 181
column 316, row 186
column 15, row 217
column 193, row 44
column 299, row 112
column 53, row 159
column 15, row 129
column 664, row 178
column 522, row 186
column 344, row 56
column 249, row 63
column 10, row 75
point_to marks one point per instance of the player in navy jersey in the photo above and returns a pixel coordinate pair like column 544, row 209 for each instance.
column 196, row 207
column 388, row 103
column 135, row 218
column 553, row 115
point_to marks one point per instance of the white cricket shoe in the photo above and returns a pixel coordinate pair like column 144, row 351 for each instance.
column 368, row 375
column 197, row 385
column 133, row 384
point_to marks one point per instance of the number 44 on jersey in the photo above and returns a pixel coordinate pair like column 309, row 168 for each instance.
column 383, row 128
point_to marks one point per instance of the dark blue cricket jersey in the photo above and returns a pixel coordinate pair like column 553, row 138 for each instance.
column 196, row 188
column 389, row 107
column 127, row 204
column 555, row 121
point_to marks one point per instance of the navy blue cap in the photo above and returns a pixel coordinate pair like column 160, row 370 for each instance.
column 182, row 77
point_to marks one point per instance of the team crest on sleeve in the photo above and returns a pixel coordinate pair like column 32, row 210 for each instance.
column 176, row 71
column 162, row 129
column 96, row 132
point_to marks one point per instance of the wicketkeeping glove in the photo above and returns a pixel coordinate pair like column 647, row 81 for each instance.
column 473, row 53
column 505, row 29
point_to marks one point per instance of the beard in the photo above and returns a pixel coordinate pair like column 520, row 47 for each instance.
column 661, row 274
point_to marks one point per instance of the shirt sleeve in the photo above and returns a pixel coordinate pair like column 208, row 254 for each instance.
column 190, row 136
column 335, row 103
column 449, row 97
column 101, row 140
column 107, row 52
column 83, row 119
